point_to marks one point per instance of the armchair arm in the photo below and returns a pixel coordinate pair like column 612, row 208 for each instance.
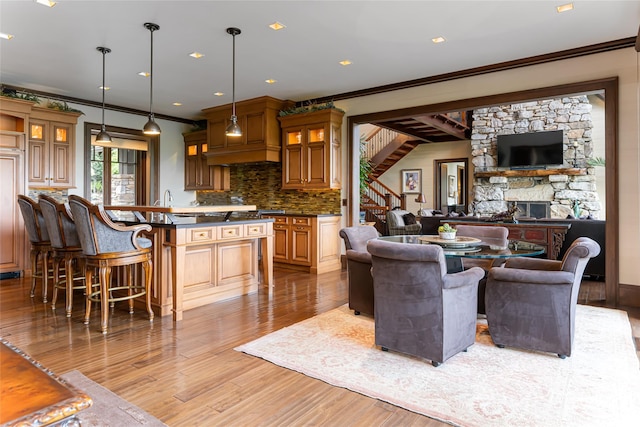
column 517, row 275
column 357, row 256
column 121, row 227
column 534, row 264
column 464, row 278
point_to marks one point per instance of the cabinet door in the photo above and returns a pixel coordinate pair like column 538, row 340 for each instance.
column 301, row 232
column 281, row 242
column 38, row 154
column 293, row 167
column 191, row 166
column 12, row 238
column 61, row 153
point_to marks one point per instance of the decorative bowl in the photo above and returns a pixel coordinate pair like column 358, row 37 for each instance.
column 447, row 235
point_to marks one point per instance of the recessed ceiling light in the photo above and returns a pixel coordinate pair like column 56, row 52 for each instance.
column 271, row 81
column 565, row 7
column 438, row 39
column 177, row 104
column 345, row 62
column 277, row 26
column 144, row 74
column 104, row 87
column 6, row 36
column 218, row 93
column 46, row 3
column 196, row 55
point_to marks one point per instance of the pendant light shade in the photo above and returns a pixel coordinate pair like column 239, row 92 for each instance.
column 151, row 128
column 103, row 136
column 233, row 129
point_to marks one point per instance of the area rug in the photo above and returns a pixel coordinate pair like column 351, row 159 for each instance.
column 486, row 386
column 108, row 410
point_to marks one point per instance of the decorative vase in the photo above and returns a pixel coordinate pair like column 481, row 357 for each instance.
column 447, row 235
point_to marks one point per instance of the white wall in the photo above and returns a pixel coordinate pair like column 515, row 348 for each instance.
column 623, row 63
column 171, row 150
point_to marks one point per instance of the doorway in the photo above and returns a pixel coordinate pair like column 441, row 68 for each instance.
column 450, row 185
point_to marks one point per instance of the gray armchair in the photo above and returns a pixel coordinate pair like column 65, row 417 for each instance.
column 531, row 302
column 359, row 267
column 396, row 223
column 105, row 245
column 491, row 236
column 419, row 308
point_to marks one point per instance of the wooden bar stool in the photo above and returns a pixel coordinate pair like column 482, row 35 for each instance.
column 66, row 249
column 40, row 244
column 105, row 245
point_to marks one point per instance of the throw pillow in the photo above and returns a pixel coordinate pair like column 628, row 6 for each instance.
column 409, row 218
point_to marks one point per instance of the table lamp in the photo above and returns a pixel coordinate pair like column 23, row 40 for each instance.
column 421, row 199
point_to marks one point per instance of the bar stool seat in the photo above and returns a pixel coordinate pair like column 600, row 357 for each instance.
column 105, row 245
column 40, row 244
column 66, row 250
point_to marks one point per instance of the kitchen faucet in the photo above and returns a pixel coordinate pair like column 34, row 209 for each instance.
column 167, row 192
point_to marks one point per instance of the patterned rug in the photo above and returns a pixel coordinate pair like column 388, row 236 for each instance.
column 108, row 409
column 487, row 386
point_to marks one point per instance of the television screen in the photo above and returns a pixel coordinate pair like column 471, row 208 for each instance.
column 530, row 149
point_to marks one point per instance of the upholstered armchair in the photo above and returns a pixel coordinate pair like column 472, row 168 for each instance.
column 402, row 222
column 420, row 309
column 105, row 245
column 491, row 236
column 65, row 244
column 359, row 267
column 40, row 243
column 531, row 302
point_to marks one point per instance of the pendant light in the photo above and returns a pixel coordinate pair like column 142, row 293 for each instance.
column 151, row 128
column 103, row 136
column 233, row 129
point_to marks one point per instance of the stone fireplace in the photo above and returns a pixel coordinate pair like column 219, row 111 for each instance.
column 555, row 192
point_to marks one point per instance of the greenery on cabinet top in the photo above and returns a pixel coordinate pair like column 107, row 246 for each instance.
column 311, row 107
column 26, row 96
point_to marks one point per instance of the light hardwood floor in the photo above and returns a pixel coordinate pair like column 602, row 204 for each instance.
column 188, row 374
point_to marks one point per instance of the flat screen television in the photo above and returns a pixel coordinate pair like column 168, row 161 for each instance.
column 530, row 150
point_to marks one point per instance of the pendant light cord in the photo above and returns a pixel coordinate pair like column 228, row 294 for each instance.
column 233, row 80
column 104, row 88
column 151, row 79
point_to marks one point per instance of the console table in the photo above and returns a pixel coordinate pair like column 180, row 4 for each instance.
column 31, row 395
column 549, row 235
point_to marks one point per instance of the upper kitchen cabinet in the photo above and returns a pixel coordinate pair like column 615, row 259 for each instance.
column 198, row 174
column 51, row 148
column 311, row 150
column 260, row 140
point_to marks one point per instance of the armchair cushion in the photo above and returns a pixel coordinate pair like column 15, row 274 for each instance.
column 409, row 219
column 359, row 267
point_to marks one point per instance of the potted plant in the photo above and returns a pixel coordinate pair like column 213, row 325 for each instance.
column 447, row 232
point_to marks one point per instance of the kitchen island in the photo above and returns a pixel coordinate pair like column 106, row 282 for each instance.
column 203, row 258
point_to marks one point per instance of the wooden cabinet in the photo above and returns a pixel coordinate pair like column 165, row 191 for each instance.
column 198, row 174
column 311, row 150
column 307, row 243
column 51, row 150
column 14, row 120
column 260, row 140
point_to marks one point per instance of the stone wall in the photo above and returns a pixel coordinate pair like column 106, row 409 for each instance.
column 260, row 184
column 562, row 191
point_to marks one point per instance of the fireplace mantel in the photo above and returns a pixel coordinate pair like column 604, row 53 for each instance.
column 514, row 173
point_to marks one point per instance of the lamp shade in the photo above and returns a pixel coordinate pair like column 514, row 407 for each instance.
column 234, row 128
column 151, row 127
column 103, row 137
column 421, row 198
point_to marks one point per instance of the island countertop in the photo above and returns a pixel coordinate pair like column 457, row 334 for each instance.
column 185, row 209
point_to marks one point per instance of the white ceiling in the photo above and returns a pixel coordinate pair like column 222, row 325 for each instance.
column 54, row 49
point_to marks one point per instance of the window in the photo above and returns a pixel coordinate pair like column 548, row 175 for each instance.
column 120, row 173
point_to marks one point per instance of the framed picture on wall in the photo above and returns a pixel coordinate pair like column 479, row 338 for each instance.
column 411, row 181
column 452, row 186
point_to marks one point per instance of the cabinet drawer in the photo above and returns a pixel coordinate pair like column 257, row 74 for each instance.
column 280, row 226
column 281, row 220
column 301, row 221
column 255, row 230
column 230, row 231
column 196, row 235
